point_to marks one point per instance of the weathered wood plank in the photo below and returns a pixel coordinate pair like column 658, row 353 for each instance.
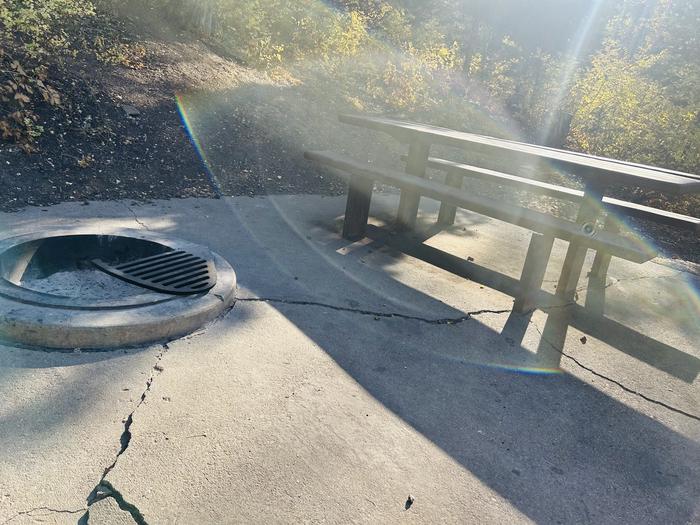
column 504, row 179
column 639, row 211
column 595, row 295
column 535, row 266
column 608, row 171
column 560, row 192
column 630, row 249
column 448, row 212
column 576, row 252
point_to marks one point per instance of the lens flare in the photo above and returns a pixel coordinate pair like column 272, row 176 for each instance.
column 196, row 140
column 526, row 370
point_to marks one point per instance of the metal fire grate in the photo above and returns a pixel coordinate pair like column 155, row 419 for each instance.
column 174, row 272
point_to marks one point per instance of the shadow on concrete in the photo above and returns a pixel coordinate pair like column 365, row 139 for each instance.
column 635, row 344
column 557, row 448
column 60, row 403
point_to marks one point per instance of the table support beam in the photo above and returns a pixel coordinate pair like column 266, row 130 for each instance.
column 448, row 212
column 588, row 213
column 357, row 208
column 595, row 295
column 415, row 165
column 535, row 266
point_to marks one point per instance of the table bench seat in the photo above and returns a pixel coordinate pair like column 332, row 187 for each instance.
column 620, row 207
column 356, row 220
column 598, row 175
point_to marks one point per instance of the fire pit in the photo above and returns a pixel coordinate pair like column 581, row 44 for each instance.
column 90, row 289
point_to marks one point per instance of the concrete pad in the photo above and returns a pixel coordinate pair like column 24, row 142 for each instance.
column 61, row 417
column 350, row 376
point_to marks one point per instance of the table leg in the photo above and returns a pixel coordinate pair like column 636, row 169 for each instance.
column 357, row 208
column 595, row 296
column 415, row 165
column 533, row 271
column 576, row 254
column 448, row 212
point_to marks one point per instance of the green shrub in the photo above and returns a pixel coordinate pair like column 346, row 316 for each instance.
column 621, row 113
column 39, row 24
column 39, row 35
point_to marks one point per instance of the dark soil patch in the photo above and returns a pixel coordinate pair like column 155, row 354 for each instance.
column 145, row 157
column 92, row 149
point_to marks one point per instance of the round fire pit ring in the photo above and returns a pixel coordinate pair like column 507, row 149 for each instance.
column 88, row 288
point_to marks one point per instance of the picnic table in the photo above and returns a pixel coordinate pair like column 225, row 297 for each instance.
column 599, row 176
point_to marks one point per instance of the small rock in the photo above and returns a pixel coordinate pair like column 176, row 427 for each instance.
column 158, row 367
column 583, row 340
column 130, row 111
column 409, row 502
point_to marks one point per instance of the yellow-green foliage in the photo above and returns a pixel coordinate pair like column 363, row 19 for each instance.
column 270, row 32
column 621, row 113
column 39, row 23
column 346, row 37
column 34, row 31
column 20, row 90
column 371, row 48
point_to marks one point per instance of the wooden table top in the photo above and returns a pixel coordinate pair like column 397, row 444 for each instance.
column 607, row 172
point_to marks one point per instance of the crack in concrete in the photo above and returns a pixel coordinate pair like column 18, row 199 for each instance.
column 48, row 510
column 385, row 315
column 103, row 488
column 467, row 316
column 125, row 437
column 614, row 381
column 106, row 490
column 136, row 218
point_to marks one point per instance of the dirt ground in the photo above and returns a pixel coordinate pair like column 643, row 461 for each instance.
column 120, row 134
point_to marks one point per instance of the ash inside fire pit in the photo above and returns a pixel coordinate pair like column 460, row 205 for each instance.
column 88, row 284
column 62, row 265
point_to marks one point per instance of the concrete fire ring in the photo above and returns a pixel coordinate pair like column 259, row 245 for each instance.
column 48, row 321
